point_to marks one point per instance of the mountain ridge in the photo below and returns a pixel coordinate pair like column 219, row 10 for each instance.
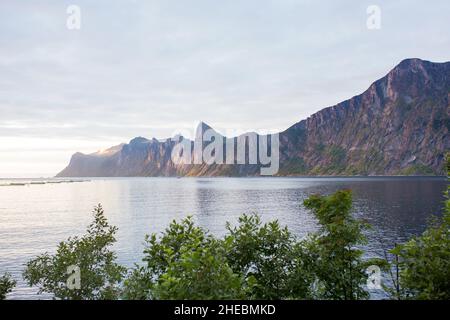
column 398, row 126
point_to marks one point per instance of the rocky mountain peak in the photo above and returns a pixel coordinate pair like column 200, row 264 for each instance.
column 398, row 126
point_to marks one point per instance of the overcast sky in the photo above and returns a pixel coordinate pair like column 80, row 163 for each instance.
column 152, row 68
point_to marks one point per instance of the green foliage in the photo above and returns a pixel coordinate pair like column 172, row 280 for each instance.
column 254, row 260
column 201, row 272
column 424, row 262
column 294, row 166
column 184, row 263
column 417, row 169
column 337, row 154
column 269, row 258
column 138, row 284
column 6, row 285
column 337, row 265
column 99, row 273
column 335, row 157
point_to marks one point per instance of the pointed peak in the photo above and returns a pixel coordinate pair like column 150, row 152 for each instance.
column 204, row 126
column 201, row 128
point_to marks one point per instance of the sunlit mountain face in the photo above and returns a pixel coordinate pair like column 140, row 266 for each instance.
column 398, row 126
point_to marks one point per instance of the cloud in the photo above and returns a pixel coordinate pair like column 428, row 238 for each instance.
column 150, row 67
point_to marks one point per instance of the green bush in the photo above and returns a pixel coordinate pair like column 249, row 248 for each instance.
column 254, row 260
column 336, row 263
column 6, row 285
column 99, row 274
column 268, row 257
column 423, row 263
column 184, row 263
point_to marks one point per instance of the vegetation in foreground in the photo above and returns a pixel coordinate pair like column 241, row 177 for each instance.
column 6, row 285
column 90, row 256
column 422, row 265
column 254, row 260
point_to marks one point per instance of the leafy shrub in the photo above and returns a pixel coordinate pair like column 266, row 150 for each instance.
column 268, row 257
column 184, row 263
column 337, row 264
column 253, row 261
column 100, row 275
column 423, row 263
column 6, row 285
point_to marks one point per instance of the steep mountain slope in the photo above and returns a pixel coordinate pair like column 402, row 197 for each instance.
column 399, row 125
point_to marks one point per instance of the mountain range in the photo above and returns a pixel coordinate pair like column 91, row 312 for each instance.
column 398, row 126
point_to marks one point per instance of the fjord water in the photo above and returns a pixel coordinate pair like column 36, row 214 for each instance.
column 35, row 217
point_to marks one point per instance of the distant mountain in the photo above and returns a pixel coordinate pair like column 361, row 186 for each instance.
column 398, row 126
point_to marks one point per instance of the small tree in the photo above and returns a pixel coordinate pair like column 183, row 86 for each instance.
column 337, row 264
column 184, row 263
column 99, row 274
column 6, row 285
column 424, row 262
column 269, row 258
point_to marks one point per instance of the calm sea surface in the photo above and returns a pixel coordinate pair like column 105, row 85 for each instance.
column 35, row 217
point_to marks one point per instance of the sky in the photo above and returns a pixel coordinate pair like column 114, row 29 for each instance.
column 156, row 68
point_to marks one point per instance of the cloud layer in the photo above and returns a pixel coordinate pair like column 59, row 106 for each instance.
column 151, row 67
